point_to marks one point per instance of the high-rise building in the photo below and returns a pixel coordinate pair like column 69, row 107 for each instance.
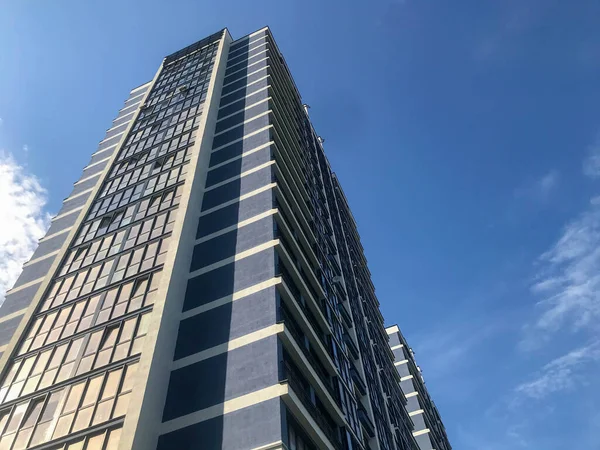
column 429, row 431
column 204, row 285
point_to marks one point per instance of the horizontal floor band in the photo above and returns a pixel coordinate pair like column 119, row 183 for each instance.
column 226, row 407
column 246, row 87
column 79, row 194
column 248, row 66
column 236, row 257
column 420, row 432
column 96, row 163
column 246, row 96
column 241, row 155
column 140, row 87
column 245, row 108
column 26, row 285
column 416, row 412
column 400, row 363
column 112, row 137
column 13, row 315
column 228, row 346
column 110, row 147
column 87, row 178
column 260, row 130
column 241, row 175
column 60, row 216
column 396, row 347
column 231, row 298
column 237, row 199
column 272, row 446
column 236, row 226
column 258, row 116
column 47, row 255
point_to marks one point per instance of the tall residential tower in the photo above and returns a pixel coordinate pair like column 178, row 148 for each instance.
column 429, row 431
column 204, row 285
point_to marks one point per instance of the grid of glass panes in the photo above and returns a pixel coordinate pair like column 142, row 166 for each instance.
column 73, row 367
column 89, row 401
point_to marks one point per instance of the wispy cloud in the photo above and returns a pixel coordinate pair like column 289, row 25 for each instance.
column 503, row 37
column 540, row 189
column 24, row 219
column 561, row 374
column 591, row 164
column 568, row 279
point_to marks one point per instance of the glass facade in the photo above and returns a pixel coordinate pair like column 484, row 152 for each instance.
column 70, row 379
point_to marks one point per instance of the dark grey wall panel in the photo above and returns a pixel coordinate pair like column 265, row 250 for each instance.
column 412, row 404
column 225, row 376
column 128, row 110
column 243, row 75
column 403, row 370
column 248, row 52
column 245, row 64
column 407, row 386
column 242, row 116
column 241, row 104
column 35, row 271
column 94, row 169
column 238, row 166
column 76, row 202
column 135, row 92
column 418, row 421
column 7, row 329
column 62, row 223
column 235, row 213
column 248, row 45
column 424, row 442
column 115, row 131
column 101, row 156
column 107, row 143
column 251, row 427
column 244, row 316
column 236, row 241
column 240, row 80
column 51, row 244
column 229, row 279
column 237, row 148
column 238, row 187
column 241, row 131
column 85, row 185
column 21, row 299
column 394, row 339
column 125, row 119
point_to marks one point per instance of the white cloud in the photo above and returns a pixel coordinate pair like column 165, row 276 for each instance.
column 25, row 148
column 591, row 164
column 24, row 219
column 540, row 189
column 568, row 281
column 561, row 374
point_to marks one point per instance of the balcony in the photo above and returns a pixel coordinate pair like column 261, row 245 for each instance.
column 316, row 365
column 293, row 289
column 366, row 422
column 302, row 390
column 345, row 315
column 358, row 381
column 352, row 348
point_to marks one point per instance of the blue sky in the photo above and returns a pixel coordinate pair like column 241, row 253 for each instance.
column 466, row 135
